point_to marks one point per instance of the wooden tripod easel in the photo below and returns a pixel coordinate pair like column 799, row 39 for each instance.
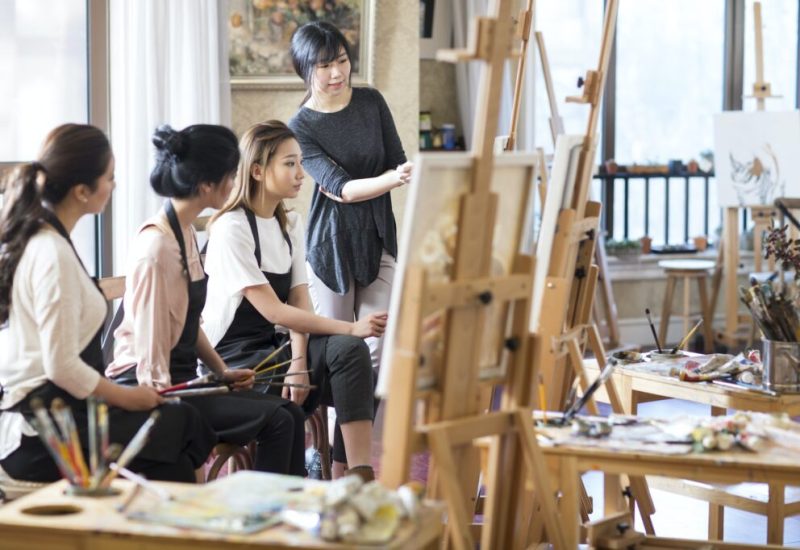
column 453, row 416
column 556, row 123
column 762, row 215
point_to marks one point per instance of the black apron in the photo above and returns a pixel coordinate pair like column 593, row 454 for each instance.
column 250, row 338
column 183, row 357
column 163, row 446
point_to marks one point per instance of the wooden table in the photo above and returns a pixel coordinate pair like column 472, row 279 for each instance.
column 98, row 526
column 635, row 387
column 568, row 462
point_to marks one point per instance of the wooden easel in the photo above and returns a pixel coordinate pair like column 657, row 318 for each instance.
column 572, row 276
column 454, row 417
column 556, row 123
column 728, row 258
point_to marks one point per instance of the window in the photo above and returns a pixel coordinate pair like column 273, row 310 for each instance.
column 669, row 67
column 572, row 30
column 779, row 39
column 44, row 62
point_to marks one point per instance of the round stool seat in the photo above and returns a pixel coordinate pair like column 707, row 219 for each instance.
column 686, row 265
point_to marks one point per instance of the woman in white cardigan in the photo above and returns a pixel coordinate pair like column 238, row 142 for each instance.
column 52, row 313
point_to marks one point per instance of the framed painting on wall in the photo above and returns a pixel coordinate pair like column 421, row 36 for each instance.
column 260, row 31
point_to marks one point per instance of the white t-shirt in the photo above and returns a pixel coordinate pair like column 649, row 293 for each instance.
column 231, row 264
column 56, row 310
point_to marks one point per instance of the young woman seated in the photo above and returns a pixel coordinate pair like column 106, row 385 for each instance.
column 257, row 282
column 160, row 338
column 52, row 314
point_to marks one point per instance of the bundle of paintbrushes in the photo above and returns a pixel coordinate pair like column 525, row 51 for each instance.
column 774, row 312
column 59, row 434
column 212, row 384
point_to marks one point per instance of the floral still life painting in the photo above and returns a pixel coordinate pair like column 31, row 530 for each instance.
column 260, row 32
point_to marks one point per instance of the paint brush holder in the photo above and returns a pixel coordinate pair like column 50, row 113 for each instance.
column 781, row 366
column 79, row 491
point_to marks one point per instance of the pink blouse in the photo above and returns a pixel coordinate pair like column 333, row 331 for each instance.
column 156, row 300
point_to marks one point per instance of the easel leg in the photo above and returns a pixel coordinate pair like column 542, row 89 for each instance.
column 459, row 521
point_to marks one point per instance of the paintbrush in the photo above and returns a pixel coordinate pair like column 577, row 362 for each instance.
column 135, row 445
column 287, row 385
column 275, row 352
column 194, row 392
column 281, row 375
column 686, row 338
column 277, row 366
column 653, row 330
column 141, row 481
column 66, row 422
column 111, row 454
column 199, row 381
column 49, row 435
column 593, row 387
column 94, row 458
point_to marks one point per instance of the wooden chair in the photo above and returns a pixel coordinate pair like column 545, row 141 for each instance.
column 318, row 426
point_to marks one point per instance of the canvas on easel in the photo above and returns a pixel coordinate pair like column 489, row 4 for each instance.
column 428, row 241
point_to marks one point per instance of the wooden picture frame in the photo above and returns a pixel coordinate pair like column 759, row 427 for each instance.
column 429, row 238
column 260, row 31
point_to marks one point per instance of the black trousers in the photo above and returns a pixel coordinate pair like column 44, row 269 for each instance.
column 275, row 424
column 179, row 443
column 342, row 371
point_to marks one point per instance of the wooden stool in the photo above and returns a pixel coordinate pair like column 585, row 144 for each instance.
column 687, row 270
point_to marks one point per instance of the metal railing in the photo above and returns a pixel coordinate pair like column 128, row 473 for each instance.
column 633, row 207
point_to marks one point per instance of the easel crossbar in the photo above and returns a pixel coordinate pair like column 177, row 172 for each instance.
column 471, row 292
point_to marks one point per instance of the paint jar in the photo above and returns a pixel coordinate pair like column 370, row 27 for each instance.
column 781, row 366
column 449, row 136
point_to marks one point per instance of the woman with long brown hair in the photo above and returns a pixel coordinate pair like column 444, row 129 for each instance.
column 257, row 280
column 52, row 314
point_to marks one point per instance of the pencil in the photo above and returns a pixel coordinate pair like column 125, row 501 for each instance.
column 686, row 338
column 271, row 355
column 141, row 481
column 542, row 399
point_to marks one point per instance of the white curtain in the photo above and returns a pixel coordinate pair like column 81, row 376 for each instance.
column 168, row 66
column 468, row 75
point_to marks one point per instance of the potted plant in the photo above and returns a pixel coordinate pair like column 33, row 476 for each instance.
column 624, row 249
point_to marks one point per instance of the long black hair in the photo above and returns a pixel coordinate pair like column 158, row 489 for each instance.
column 314, row 43
column 201, row 153
column 72, row 154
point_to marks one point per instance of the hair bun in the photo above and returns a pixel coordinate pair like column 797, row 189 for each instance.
column 169, row 141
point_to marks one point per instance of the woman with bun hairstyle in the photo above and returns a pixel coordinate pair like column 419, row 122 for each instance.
column 52, row 314
column 160, row 339
column 352, row 151
column 257, row 280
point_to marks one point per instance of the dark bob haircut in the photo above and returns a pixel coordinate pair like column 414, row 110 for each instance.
column 314, row 43
column 201, row 153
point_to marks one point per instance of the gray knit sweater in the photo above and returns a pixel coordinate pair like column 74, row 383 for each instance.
column 360, row 141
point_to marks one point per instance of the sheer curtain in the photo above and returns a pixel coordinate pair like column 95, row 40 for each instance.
column 168, row 66
column 468, row 74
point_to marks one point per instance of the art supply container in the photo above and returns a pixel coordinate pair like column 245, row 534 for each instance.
column 78, row 491
column 449, row 136
column 781, row 366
